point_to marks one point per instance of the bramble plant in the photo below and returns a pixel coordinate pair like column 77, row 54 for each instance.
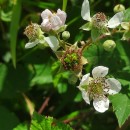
column 54, row 64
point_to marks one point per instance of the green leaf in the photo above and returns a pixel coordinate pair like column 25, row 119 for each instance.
column 6, row 16
column 13, row 81
column 39, row 4
column 8, row 120
column 40, row 122
column 87, row 26
column 14, row 29
column 43, row 74
column 121, row 106
column 127, row 15
column 92, row 54
column 95, row 33
column 21, row 127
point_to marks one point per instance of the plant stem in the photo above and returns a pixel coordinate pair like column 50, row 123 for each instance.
column 64, row 5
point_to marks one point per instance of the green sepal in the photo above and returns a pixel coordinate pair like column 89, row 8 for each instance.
column 126, row 35
column 87, row 26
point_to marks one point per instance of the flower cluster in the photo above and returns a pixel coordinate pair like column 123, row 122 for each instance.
column 52, row 33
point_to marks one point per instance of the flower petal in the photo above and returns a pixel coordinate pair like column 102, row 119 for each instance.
column 85, row 11
column 116, row 20
column 85, row 79
column 31, row 44
column 46, row 25
column 46, row 14
column 62, row 15
column 56, row 22
column 53, row 42
column 101, row 105
column 85, row 96
column 100, row 71
column 114, row 85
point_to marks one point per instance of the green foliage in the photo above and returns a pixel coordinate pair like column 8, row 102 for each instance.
column 38, row 74
column 47, row 123
column 21, row 127
column 127, row 15
column 121, row 104
column 8, row 120
column 14, row 29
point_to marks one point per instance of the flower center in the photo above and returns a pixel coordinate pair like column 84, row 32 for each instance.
column 99, row 20
column 32, row 31
column 97, row 87
column 71, row 59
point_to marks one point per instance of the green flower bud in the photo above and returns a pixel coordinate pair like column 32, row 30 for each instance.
column 119, row 8
column 65, row 35
column 109, row 45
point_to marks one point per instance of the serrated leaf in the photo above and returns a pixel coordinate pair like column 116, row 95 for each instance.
column 121, row 106
column 14, row 29
column 40, row 122
column 21, row 127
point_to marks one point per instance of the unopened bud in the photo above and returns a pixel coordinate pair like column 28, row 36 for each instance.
column 65, row 35
column 119, row 8
column 109, row 45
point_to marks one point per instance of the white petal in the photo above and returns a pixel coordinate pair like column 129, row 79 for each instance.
column 31, row 44
column 114, row 85
column 85, row 96
column 101, row 105
column 46, row 25
column 53, row 42
column 56, row 22
column 116, row 20
column 85, row 79
column 62, row 15
column 46, row 14
column 85, row 11
column 100, row 71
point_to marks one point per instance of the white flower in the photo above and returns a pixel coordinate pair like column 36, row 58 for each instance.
column 36, row 37
column 100, row 19
column 52, row 20
column 98, row 88
column 50, row 41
